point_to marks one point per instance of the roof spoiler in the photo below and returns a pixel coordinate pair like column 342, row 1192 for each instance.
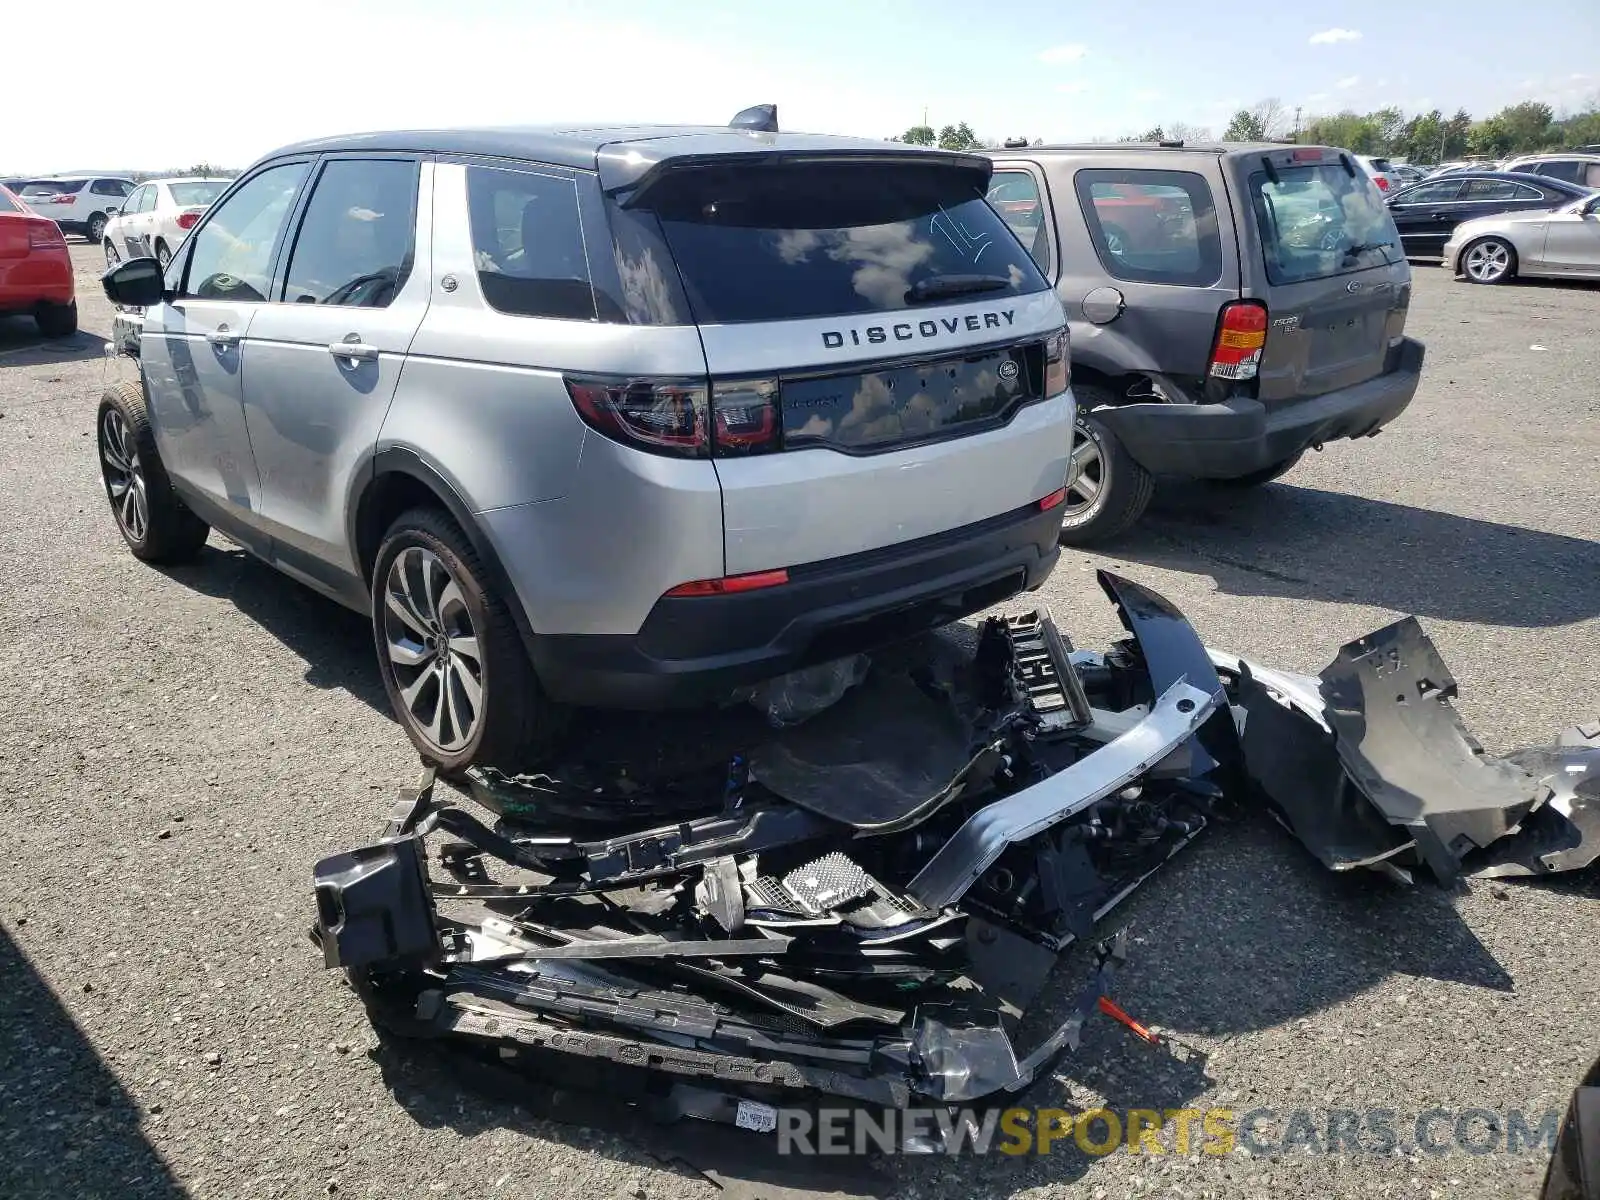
column 760, row 118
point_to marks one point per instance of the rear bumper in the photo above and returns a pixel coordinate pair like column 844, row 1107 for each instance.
column 1224, row 441
column 694, row 651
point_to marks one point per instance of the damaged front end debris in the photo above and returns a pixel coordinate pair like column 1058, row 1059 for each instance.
column 864, row 904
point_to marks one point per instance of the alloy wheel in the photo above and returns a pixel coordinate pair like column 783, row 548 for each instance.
column 432, row 649
column 1089, row 474
column 112, row 258
column 124, row 476
column 163, row 255
column 1488, row 261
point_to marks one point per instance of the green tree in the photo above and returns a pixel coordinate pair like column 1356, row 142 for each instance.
column 1457, row 132
column 1528, row 125
column 959, row 137
column 918, row 135
column 1347, row 131
column 1490, row 136
column 1244, row 127
column 1149, row 135
column 1388, row 124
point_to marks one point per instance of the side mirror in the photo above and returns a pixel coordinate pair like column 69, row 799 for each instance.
column 113, row 209
column 1593, row 207
column 136, row 283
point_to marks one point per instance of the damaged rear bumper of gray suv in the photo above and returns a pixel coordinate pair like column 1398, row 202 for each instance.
column 863, row 906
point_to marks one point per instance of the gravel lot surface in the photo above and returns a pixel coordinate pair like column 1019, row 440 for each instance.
column 179, row 747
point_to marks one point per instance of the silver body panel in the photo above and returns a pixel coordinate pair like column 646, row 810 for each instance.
column 984, row 836
column 1560, row 244
column 283, row 434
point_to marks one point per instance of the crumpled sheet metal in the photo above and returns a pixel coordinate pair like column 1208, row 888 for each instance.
column 1563, row 834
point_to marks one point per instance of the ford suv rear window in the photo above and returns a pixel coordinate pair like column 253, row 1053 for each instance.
column 1321, row 220
column 832, row 239
column 1152, row 226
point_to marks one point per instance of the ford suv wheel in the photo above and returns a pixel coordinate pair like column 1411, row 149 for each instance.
column 451, row 659
column 1108, row 491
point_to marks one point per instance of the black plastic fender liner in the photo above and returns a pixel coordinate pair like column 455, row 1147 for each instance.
column 1387, row 699
column 1563, row 834
column 1172, row 652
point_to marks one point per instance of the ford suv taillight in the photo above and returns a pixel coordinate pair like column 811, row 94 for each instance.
column 1241, row 333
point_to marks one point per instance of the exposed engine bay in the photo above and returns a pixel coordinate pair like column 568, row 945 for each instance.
column 863, row 904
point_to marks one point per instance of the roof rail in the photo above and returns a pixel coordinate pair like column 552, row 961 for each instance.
column 759, row 118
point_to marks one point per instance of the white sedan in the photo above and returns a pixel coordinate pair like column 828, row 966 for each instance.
column 1564, row 242
column 155, row 219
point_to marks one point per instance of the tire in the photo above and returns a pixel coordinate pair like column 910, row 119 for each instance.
column 1488, row 260
column 1122, row 488
column 157, row 525
column 509, row 723
column 57, row 320
column 1264, row 475
column 163, row 255
column 96, row 228
column 112, row 257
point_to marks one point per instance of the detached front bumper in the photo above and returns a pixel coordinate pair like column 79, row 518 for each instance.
column 1238, row 437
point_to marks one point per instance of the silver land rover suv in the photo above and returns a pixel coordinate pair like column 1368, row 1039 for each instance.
column 622, row 417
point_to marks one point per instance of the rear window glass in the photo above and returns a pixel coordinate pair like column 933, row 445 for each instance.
column 1318, row 221
column 1380, row 164
column 1152, row 226
column 833, row 239
column 46, row 187
column 528, row 242
column 7, row 204
column 192, row 195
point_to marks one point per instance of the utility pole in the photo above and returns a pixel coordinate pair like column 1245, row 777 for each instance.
column 1297, row 124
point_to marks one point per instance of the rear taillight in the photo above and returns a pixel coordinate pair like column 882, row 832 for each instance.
column 1241, row 333
column 745, row 418
column 740, row 418
column 44, row 235
column 187, row 220
column 658, row 416
column 63, row 198
column 1059, row 496
column 731, row 585
column 1057, row 369
column 1383, row 184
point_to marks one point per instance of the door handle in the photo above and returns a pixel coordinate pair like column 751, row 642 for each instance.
column 222, row 337
column 355, row 351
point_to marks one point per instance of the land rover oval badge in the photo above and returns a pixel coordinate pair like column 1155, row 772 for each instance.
column 1008, row 369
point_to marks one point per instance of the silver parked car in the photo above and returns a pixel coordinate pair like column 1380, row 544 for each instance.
column 1563, row 243
column 616, row 417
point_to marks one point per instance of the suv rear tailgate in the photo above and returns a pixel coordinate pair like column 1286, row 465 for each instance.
column 882, row 332
column 972, row 451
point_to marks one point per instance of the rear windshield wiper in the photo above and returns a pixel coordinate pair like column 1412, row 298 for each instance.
column 943, row 287
column 1363, row 247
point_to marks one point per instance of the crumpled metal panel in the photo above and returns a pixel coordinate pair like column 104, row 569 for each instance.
column 1563, row 834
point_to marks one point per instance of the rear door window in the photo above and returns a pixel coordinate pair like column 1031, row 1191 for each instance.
column 1015, row 196
column 1152, row 226
column 354, row 247
column 832, row 239
column 1566, row 169
column 1320, row 220
column 527, row 239
column 110, row 187
column 1489, row 189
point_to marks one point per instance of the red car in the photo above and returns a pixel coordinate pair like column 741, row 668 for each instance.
column 35, row 269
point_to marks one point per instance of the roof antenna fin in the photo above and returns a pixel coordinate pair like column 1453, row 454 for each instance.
column 762, row 118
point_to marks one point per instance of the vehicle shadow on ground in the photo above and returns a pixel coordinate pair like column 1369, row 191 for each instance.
column 1307, row 544
column 22, row 345
column 334, row 642
column 65, row 1121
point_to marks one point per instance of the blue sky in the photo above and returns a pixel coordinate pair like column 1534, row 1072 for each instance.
column 230, row 81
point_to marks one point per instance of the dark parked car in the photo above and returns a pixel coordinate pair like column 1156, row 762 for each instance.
column 1427, row 212
column 1230, row 307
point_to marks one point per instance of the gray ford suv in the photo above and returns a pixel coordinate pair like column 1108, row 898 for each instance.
column 1231, row 306
column 620, row 417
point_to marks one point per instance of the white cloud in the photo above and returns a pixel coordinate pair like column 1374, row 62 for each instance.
column 1329, row 36
column 1349, row 81
column 1071, row 52
column 1146, row 95
column 1316, row 97
column 1074, row 88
